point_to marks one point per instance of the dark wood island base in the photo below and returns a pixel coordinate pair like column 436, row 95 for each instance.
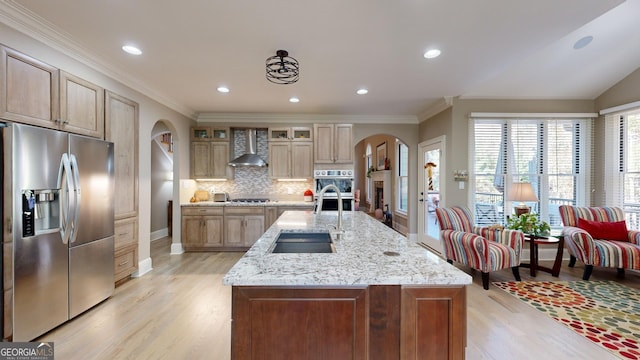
column 356, row 322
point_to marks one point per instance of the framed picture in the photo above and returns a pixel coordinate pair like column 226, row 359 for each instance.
column 381, row 155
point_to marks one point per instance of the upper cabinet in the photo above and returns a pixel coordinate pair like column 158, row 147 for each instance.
column 208, row 133
column 81, row 106
column 304, row 134
column 291, row 153
column 36, row 93
column 333, row 143
column 210, row 153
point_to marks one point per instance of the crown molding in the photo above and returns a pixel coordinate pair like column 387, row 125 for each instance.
column 21, row 19
column 438, row 107
column 305, row 118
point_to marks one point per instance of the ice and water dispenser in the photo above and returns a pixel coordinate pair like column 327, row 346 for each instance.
column 40, row 211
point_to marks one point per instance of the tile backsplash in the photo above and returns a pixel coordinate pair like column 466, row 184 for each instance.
column 253, row 181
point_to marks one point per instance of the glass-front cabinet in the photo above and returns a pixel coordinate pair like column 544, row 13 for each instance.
column 290, row 134
column 208, row 133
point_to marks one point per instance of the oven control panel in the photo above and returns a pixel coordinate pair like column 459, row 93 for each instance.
column 333, row 173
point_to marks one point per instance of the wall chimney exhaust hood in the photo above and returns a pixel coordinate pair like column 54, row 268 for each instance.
column 249, row 158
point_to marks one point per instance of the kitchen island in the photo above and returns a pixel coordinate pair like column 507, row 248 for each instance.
column 378, row 296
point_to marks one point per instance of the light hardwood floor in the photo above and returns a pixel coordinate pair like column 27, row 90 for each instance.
column 181, row 310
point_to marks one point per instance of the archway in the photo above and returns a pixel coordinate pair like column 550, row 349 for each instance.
column 162, row 178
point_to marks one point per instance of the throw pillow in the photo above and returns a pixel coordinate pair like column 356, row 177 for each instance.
column 615, row 230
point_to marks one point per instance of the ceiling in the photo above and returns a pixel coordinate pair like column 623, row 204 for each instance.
column 490, row 49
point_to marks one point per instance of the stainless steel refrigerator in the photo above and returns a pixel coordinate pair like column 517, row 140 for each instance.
column 61, row 191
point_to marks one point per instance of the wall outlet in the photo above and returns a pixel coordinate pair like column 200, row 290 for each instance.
column 289, row 191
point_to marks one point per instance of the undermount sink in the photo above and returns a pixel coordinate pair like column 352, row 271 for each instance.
column 303, row 242
column 306, row 237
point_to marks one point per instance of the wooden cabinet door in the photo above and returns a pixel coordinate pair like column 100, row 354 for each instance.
column 279, row 159
column 323, row 143
column 201, row 159
column 122, row 129
column 343, row 143
column 213, row 230
column 270, row 216
column 233, row 229
column 201, row 133
column 29, row 90
column 220, row 160
column 81, row 106
column 302, row 160
column 253, row 229
column 192, row 231
column 433, row 323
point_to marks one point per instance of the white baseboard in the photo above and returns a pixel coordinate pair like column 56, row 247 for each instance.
column 176, row 249
column 159, row 234
column 412, row 237
column 144, row 266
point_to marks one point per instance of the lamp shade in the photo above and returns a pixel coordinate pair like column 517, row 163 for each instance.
column 522, row 191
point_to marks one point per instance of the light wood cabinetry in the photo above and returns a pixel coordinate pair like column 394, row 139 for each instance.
column 36, row 93
column 280, row 159
column 376, row 321
column 333, row 143
column 209, row 133
column 81, row 106
column 126, row 248
column 291, row 153
column 301, row 160
column 299, row 133
column 243, row 226
column 210, row 153
column 202, row 227
column 121, row 128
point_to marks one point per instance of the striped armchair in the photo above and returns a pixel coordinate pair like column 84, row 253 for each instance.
column 479, row 248
column 622, row 253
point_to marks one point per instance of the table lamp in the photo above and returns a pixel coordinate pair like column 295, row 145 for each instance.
column 521, row 191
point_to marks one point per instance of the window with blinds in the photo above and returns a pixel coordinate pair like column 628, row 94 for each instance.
column 548, row 153
column 622, row 158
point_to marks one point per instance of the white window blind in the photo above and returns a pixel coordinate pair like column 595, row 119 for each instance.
column 622, row 161
column 547, row 152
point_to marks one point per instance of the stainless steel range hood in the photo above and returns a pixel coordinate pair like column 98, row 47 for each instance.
column 249, row 158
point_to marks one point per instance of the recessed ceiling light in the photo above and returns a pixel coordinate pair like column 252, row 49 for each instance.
column 131, row 50
column 294, row 100
column 433, row 53
column 223, row 89
column 362, row 91
column 583, row 42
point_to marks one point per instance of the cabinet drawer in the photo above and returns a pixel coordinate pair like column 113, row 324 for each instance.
column 125, row 233
column 202, row 210
column 249, row 210
column 125, row 262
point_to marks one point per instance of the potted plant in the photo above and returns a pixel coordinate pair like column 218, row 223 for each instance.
column 529, row 223
column 370, row 170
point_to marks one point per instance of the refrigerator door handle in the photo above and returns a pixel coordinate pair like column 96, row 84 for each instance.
column 77, row 197
column 65, row 187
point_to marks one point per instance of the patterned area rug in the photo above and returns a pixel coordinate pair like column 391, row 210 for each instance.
column 604, row 312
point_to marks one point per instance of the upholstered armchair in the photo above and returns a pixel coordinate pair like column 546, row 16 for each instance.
column 598, row 236
column 480, row 248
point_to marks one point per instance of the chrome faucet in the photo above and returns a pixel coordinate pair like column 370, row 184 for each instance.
column 321, row 199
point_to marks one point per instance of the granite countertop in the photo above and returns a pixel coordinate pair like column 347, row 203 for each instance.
column 359, row 258
column 269, row 203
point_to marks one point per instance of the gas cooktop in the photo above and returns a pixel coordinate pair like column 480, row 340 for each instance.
column 249, row 200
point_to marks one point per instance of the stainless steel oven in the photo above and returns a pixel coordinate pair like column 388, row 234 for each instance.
column 343, row 180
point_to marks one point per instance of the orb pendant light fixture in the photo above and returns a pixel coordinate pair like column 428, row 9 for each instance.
column 282, row 69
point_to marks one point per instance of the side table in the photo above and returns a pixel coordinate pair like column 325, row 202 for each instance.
column 534, row 241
